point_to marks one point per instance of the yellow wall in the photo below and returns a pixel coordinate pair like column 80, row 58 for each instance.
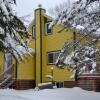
column 50, row 43
column 55, row 42
column 37, row 47
column 25, row 70
column 1, row 62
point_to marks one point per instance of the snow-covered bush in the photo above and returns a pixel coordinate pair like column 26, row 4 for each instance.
column 49, row 76
column 12, row 31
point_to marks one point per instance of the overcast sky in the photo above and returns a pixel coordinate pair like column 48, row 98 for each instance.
column 25, row 7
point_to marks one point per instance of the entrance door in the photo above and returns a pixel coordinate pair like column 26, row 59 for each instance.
column 8, row 64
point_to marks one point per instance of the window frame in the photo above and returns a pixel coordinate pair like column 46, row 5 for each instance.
column 47, row 57
column 46, row 28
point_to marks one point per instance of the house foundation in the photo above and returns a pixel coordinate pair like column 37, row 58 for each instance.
column 89, row 82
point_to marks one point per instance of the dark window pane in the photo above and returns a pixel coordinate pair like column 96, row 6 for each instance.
column 48, row 29
column 50, row 58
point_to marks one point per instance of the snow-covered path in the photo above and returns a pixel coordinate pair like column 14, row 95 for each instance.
column 49, row 94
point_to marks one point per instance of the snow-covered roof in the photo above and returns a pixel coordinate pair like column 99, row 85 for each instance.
column 47, row 16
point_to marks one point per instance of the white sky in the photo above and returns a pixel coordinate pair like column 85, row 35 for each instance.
column 25, row 7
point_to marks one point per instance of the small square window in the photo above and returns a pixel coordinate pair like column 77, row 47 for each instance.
column 52, row 57
column 59, row 84
column 47, row 29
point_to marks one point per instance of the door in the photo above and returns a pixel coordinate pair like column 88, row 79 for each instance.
column 8, row 64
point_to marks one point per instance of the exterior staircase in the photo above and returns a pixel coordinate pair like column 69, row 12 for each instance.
column 7, row 78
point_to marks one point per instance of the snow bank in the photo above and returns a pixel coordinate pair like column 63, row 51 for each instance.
column 49, row 94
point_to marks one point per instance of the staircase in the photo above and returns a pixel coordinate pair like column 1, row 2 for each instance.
column 7, row 78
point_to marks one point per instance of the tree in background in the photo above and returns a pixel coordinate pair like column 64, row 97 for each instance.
column 12, row 31
column 84, row 59
column 83, row 16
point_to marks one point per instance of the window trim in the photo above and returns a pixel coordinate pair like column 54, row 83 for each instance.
column 58, row 51
column 46, row 33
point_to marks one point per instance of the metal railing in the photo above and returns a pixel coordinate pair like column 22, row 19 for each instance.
column 7, row 77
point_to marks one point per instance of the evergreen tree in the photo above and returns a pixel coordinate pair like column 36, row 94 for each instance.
column 12, row 31
column 82, row 16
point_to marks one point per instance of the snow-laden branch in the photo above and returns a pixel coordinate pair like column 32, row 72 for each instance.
column 12, row 32
column 84, row 59
column 83, row 16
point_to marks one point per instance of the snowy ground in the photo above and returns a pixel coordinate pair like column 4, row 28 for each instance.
column 49, row 94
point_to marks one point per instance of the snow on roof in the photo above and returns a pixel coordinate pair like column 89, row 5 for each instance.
column 47, row 16
column 32, row 21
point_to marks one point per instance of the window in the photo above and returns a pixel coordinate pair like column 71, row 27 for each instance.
column 47, row 29
column 59, row 84
column 33, row 32
column 52, row 57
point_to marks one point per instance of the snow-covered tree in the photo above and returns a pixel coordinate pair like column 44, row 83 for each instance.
column 83, row 16
column 84, row 59
column 12, row 31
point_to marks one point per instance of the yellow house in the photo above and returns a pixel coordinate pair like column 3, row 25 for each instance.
column 47, row 43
